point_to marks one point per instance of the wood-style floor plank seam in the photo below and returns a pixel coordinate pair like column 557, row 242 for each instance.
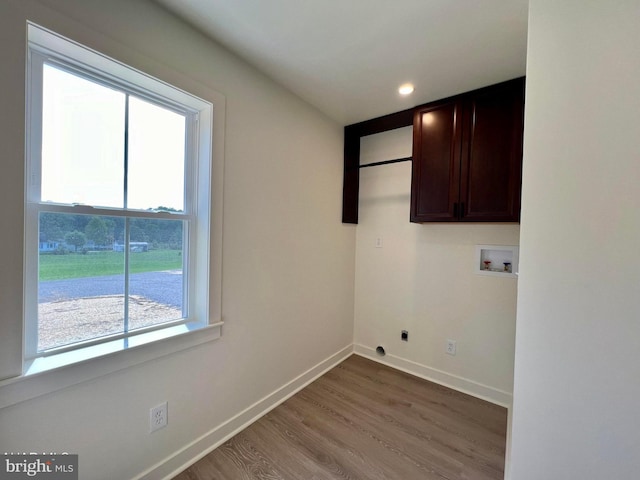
column 364, row 420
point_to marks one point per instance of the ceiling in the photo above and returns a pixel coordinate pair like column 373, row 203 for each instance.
column 348, row 57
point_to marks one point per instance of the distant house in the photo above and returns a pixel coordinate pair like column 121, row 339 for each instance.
column 133, row 247
column 49, row 246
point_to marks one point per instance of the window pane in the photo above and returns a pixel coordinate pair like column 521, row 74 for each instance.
column 81, row 279
column 82, row 141
column 156, row 272
column 82, row 282
column 156, row 157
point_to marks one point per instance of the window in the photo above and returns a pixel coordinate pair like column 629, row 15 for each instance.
column 117, row 202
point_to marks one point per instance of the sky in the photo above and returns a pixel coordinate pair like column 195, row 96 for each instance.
column 83, row 144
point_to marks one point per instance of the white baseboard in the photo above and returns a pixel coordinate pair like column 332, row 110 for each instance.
column 194, row 451
column 464, row 385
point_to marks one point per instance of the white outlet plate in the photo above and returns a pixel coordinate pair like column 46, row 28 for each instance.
column 158, row 417
column 451, row 347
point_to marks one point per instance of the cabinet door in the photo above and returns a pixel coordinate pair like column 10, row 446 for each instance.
column 436, row 162
column 492, row 154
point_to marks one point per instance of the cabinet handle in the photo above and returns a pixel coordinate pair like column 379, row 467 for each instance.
column 462, row 210
column 455, row 210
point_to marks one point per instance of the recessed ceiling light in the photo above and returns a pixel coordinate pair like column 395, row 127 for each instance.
column 406, row 89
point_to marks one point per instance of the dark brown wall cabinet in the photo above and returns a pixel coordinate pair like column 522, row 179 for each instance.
column 467, row 156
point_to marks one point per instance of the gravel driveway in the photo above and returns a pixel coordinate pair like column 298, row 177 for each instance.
column 162, row 287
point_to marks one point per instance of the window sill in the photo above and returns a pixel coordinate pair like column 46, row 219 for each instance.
column 49, row 374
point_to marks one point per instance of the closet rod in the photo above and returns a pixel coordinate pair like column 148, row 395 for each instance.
column 397, row 160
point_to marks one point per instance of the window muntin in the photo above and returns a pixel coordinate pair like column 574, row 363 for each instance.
column 104, row 151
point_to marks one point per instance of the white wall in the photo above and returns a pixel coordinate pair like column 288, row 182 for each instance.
column 422, row 280
column 577, row 369
column 288, row 261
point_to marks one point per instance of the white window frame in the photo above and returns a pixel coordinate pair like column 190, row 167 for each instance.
column 47, row 46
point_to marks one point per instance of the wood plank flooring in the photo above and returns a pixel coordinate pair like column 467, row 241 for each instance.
column 363, row 420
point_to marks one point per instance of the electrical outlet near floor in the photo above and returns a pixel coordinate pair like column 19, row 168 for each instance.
column 451, row 347
column 158, row 417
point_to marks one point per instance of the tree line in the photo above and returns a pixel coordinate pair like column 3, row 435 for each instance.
column 103, row 232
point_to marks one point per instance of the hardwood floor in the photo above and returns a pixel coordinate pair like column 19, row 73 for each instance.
column 363, row 420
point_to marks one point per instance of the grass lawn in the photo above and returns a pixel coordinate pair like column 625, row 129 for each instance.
column 77, row 265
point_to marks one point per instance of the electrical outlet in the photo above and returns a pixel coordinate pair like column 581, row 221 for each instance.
column 451, row 347
column 158, row 417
